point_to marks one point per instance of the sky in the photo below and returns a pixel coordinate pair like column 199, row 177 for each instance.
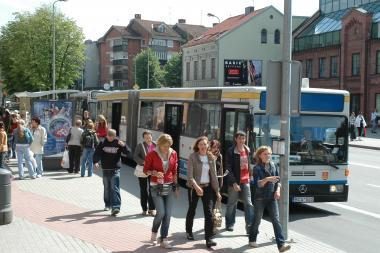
column 95, row 17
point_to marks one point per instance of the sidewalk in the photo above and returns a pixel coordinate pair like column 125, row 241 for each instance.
column 371, row 141
column 63, row 213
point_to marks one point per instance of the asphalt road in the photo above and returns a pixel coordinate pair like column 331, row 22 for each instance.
column 352, row 226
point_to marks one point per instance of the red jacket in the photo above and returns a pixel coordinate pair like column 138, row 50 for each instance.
column 153, row 163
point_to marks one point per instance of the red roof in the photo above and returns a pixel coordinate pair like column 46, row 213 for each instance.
column 227, row 25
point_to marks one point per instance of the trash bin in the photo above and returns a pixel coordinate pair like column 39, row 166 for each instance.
column 6, row 213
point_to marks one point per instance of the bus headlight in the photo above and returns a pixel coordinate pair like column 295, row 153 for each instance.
column 336, row 188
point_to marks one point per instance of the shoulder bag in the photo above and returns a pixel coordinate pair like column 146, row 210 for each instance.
column 217, row 214
column 139, row 169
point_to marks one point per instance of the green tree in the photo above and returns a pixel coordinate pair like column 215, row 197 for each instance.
column 156, row 74
column 173, row 71
column 26, row 51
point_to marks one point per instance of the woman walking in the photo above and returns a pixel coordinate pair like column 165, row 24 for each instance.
column 37, row 146
column 101, row 128
column 202, row 183
column 75, row 149
column 23, row 138
column 89, row 141
column 141, row 151
column 266, row 197
column 360, row 124
column 162, row 165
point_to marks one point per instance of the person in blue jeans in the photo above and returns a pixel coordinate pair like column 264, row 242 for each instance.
column 89, row 141
column 238, row 180
column 23, row 138
column 266, row 197
column 108, row 152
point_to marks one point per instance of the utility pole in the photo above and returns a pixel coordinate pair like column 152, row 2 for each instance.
column 147, row 73
column 285, row 115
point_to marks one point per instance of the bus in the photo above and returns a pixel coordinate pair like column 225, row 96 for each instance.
column 318, row 168
column 86, row 101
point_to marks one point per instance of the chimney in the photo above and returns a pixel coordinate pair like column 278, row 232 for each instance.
column 214, row 24
column 181, row 21
column 137, row 16
column 249, row 10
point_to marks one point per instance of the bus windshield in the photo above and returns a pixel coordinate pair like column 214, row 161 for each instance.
column 314, row 139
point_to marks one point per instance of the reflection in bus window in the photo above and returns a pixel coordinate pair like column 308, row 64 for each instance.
column 158, row 116
column 146, row 115
column 266, row 129
column 192, row 129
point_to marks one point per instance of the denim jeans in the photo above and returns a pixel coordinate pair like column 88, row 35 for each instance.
column 2, row 158
column 111, row 183
column 245, row 195
column 23, row 152
column 164, row 205
column 88, row 153
column 39, row 168
column 271, row 206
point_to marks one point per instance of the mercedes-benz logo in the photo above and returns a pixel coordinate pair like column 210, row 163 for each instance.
column 302, row 189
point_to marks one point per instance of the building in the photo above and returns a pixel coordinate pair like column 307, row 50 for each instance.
column 120, row 44
column 235, row 51
column 339, row 48
column 90, row 73
column 188, row 31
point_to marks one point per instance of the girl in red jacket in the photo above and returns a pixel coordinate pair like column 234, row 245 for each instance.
column 162, row 165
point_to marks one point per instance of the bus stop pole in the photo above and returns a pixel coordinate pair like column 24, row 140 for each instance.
column 285, row 115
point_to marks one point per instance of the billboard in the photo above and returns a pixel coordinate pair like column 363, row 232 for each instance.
column 243, row 72
column 56, row 116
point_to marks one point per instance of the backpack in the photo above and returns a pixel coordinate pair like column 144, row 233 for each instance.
column 88, row 139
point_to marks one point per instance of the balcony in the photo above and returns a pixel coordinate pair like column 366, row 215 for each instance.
column 119, row 48
column 120, row 75
column 120, row 62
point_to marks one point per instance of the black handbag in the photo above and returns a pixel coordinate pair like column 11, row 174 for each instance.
column 68, row 137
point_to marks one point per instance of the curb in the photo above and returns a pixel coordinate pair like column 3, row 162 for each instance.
column 363, row 146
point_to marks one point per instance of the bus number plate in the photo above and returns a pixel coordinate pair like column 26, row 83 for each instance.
column 303, row 199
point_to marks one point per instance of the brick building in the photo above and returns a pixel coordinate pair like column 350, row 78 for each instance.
column 120, row 44
column 339, row 48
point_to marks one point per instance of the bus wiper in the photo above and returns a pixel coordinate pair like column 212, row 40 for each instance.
column 332, row 165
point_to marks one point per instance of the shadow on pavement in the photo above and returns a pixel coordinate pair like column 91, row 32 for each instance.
column 302, row 211
column 77, row 216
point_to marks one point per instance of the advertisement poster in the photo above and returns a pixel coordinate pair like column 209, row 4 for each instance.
column 255, row 72
column 56, row 117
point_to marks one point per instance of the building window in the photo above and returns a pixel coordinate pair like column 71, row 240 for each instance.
column 322, row 67
column 277, row 37
column 203, row 69
column 334, row 66
column 212, row 68
column 170, row 43
column 264, row 36
column 187, row 71
column 378, row 62
column 309, row 68
column 195, row 70
column 356, row 64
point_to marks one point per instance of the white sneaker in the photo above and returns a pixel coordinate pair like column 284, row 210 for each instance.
column 39, row 176
column 165, row 244
column 253, row 244
column 153, row 238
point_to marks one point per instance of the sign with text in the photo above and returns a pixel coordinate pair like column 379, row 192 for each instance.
column 242, row 72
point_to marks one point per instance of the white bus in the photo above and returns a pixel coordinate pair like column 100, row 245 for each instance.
column 318, row 175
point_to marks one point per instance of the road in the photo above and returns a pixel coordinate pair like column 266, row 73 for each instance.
column 352, row 226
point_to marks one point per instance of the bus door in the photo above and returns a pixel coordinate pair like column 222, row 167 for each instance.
column 173, row 123
column 116, row 115
column 233, row 120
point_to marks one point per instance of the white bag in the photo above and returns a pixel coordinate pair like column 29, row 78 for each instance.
column 139, row 171
column 65, row 163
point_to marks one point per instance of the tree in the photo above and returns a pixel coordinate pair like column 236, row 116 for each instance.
column 26, row 51
column 156, row 74
column 173, row 71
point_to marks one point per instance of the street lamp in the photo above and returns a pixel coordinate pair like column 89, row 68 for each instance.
column 212, row 15
column 53, row 66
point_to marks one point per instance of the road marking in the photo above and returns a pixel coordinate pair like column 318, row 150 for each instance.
column 365, row 165
column 373, row 185
column 354, row 209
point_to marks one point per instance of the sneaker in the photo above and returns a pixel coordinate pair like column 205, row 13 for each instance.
column 165, row 244
column 39, row 176
column 152, row 213
column 210, row 243
column 230, row 229
column 284, row 247
column 21, row 178
column 253, row 244
column 115, row 211
column 144, row 213
column 153, row 238
column 33, row 177
column 106, row 208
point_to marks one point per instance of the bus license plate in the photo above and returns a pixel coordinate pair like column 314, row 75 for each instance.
column 303, row 199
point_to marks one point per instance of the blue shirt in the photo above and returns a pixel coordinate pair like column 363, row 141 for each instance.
column 260, row 172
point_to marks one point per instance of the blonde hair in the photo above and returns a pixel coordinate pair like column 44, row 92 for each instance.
column 90, row 125
column 78, row 123
column 164, row 139
column 102, row 118
column 111, row 132
column 259, row 151
column 21, row 123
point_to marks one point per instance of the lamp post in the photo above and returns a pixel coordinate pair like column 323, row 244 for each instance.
column 147, row 73
column 53, row 66
column 212, row 15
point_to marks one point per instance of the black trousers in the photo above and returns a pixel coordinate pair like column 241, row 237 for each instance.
column 352, row 132
column 146, row 200
column 207, row 200
column 75, row 153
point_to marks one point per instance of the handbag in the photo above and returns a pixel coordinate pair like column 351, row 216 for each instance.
column 139, row 171
column 65, row 163
column 68, row 137
column 164, row 189
column 217, row 214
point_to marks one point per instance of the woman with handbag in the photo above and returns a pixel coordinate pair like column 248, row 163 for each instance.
column 161, row 164
column 203, row 183
column 141, row 150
